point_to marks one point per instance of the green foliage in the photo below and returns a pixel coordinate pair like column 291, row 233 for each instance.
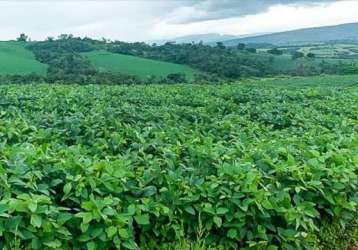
column 275, row 51
column 83, row 60
column 241, row 46
column 176, row 78
column 66, row 64
column 311, row 55
column 63, row 58
column 217, row 60
column 297, row 54
column 251, row 50
column 253, row 165
column 73, row 59
column 22, row 38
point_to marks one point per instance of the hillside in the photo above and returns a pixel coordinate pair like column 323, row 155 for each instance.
column 15, row 59
column 84, row 60
column 132, row 65
column 343, row 32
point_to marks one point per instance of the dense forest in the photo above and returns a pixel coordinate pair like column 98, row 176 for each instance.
column 217, row 60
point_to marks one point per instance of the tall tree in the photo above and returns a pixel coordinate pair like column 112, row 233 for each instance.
column 22, row 38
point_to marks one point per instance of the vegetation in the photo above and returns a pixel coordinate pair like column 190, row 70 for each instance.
column 229, row 166
column 22, row 38
column 334, row 236
column 311, row 55
column 297, row 55
column 275, row 51
column 16, row 60
column 63, row 58
column 69, row 59
column 131, row 65
column 216, row 60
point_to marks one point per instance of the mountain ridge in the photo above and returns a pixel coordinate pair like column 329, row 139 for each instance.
column 340, row 32
column 208, row 38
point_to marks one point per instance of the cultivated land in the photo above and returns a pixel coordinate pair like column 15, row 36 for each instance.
column 131, row 65
column 327, row 51
column 15, row 59
column 264, row 164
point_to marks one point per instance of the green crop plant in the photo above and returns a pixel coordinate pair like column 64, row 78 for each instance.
column 255, row 165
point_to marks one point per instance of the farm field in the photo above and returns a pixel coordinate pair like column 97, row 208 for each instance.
column 253, row 165
column 284, row 63
column 345, row 52
column 132, row 65
column 337, row 50
column 327, row 54
column 15, row 59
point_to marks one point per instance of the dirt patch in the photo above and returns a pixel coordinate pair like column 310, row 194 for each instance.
column 353, row 247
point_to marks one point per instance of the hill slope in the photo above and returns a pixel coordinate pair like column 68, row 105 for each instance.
column 310, row 35
column 15, row 59
column 132, row 65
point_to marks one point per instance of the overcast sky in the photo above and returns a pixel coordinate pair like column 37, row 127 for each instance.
column 133, row 20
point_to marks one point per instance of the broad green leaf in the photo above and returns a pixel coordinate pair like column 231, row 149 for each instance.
column 190, row 210
column 55, row 244
column 142, row 219
column 232, row 233
column 111, row 231
column 32, row 207
column 86, row 217
column 217, row 220
column 36, row 220
column 131, row 209
column 222, row 210
column 67, row 188
column 123, row 233
column 91, row 246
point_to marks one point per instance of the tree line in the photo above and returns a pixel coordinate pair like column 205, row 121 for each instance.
column 67, row 65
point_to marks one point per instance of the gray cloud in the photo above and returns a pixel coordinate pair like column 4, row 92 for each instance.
column 204, row 10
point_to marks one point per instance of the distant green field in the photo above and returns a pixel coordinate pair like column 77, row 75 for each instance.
column 299, row 82
column 141, row 67
column 15, row 59
column 286, row 63
column 334, row 51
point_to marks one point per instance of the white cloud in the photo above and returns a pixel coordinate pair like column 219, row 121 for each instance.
column 126, row 20
column 153, row 19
